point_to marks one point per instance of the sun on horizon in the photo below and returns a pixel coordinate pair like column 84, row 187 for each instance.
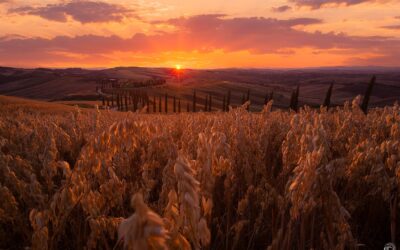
column 244, row 34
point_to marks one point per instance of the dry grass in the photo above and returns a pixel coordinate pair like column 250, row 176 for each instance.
column 236, row 180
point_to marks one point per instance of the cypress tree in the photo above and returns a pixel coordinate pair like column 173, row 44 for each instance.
column 327, row 101
column 368, row 92
column 271, row 96
column 154, row 104
column 210, row 104
column 266, row 99
column 126, row 102
column 118, row 103
column 228, row 101
column 206, row 104
column 159, row 104
column 121, row 102
column 194, row 101
column 174, row 104
column 248, row 99
column 166, row 103
column 294, row 100
column 135, row 104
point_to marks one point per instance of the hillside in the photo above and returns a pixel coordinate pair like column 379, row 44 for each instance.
column 80, row 84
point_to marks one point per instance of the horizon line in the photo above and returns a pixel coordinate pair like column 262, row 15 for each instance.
column 217, row 68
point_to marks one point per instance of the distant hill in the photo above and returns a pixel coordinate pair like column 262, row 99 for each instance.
column 77, row 83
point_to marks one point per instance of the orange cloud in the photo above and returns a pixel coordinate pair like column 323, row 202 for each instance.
column 81, row 11
column 392, row 27
column 282, row 8
column 203, row 35
column 316, row 4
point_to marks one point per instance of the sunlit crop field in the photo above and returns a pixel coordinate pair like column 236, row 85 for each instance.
column 73, row 178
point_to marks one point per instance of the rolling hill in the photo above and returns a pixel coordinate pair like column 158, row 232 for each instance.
column 80, row 84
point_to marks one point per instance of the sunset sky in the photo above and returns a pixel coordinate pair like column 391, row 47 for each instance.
column 199, row 33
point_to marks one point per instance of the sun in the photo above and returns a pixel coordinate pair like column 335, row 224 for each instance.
column 178, row 67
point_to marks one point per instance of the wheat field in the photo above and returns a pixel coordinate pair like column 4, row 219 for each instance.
column 73, row 178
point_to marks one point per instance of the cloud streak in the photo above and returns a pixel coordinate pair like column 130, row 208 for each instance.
column 392, row 27
column 317, row 4
column 81, row 11
column 281, row 9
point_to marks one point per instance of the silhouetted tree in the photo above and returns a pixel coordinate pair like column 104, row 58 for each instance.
column 135, row 103
column 368, row 92
column 159, row 105
column 292, row 97
column 327, row 101
column 210, row 104
column 294, row 100
column 205, row 104
column 194, row 101
column 228, row 101
column 154, row 104
column 166, row 103
column 174, row 104
column 248, row 99
column 271, row 96
column 266, row 98
column 126, row 102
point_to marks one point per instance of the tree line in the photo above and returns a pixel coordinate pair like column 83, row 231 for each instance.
column 132, row 100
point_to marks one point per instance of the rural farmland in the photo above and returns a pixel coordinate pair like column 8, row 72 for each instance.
column 199, row 125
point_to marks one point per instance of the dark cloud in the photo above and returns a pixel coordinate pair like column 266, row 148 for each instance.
column 316, row 4
column 282, row 8
column 81, row 11
column 204, row 33
column 392, row 27
column 219, row 24
column 387, row 57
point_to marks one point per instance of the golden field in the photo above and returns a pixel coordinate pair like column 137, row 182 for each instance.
column 75, row 178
